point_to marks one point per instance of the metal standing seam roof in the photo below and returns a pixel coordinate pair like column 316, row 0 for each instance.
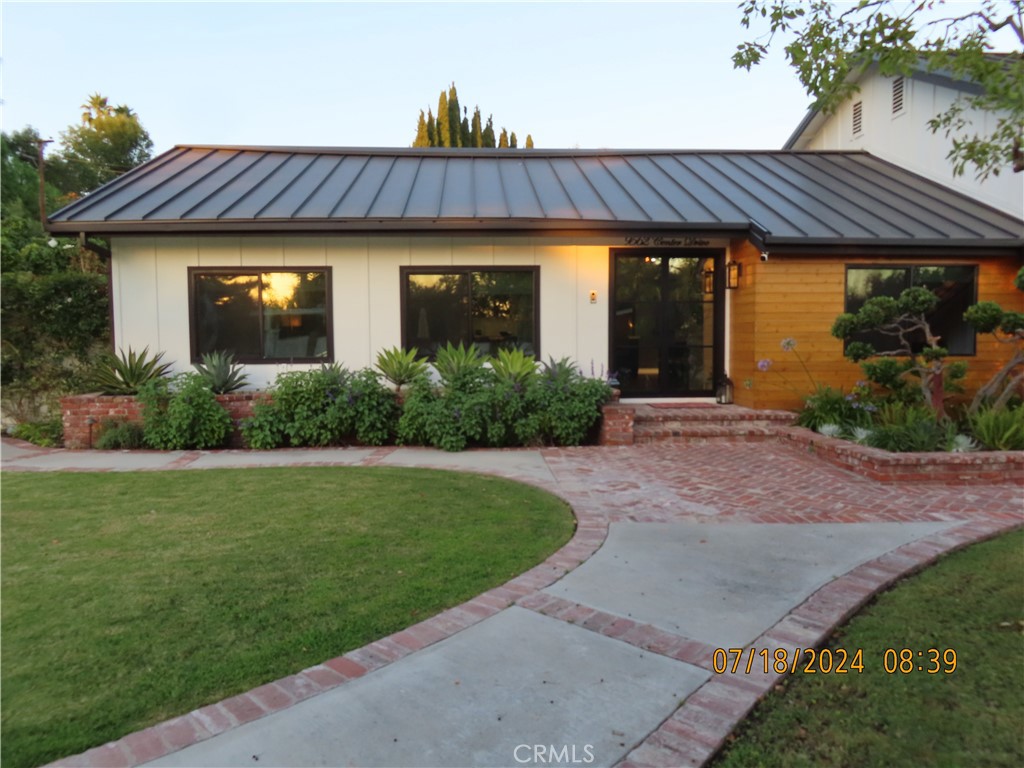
column 775, row 197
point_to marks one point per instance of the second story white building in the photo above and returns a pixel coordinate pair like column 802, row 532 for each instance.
column 889, row 117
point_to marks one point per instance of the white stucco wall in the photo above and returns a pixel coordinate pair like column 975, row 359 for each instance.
column 150, row 288
column 906, row 140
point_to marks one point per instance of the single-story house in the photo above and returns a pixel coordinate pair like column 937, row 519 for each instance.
column 673, row 269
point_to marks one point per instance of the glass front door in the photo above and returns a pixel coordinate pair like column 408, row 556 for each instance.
column 666, row 330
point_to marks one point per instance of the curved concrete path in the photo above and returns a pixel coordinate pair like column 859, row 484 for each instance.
column 603, row 654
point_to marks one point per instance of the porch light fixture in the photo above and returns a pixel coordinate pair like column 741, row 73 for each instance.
column 709, row 282
column 732, row 274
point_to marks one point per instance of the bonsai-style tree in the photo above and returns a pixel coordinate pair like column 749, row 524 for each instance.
column 1008, row 328
column 906, row 319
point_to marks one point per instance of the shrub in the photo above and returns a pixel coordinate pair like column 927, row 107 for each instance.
column 561, row 405
column 999, row 429
column 182, row 413
column 453, row 364
column 832, row 406
column 46, row 433
column 910, row 429
column 221, row 372
column 119, row 435
column 327, row 406
column 127, row 374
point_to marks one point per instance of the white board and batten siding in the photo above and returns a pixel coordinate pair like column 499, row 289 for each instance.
column 150, row 288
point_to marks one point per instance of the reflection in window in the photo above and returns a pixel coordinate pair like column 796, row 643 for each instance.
column 261, row 315
column 956, row 288
column 494, row 309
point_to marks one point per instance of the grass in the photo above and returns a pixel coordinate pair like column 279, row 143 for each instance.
column 132, row 598
column 971, row 602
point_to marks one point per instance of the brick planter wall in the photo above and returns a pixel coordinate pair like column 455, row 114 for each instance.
column 83, row 415
column 617, row 421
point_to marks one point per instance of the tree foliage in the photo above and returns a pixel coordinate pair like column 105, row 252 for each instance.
column 830, row 45
column 454, row 127
column 109, row 141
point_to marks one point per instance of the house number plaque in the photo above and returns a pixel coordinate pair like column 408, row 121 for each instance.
column 666, row 242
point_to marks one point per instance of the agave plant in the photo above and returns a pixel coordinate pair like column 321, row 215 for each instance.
column 514, row 366
column 401, row 367
column 124, row 374
column 454, row 363
column 830, row 430
column 221, row 373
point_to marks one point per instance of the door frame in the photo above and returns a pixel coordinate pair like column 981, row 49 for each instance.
column 717, row 255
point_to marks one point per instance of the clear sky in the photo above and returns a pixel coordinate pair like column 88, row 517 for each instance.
column 589, row 75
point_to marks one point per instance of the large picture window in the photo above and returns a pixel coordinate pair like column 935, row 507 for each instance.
column 955, row 286
column 261, row 315
column 493, row 308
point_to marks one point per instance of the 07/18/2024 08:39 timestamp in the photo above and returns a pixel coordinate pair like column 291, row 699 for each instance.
column 831, row 661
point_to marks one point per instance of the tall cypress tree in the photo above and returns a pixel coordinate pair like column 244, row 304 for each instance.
column 422, row 140
column 454, row 117
column 489, row 132
column 529, row 141
column 444, row 135
column 512, row 141
column 431, row 130
column 477, row 129
column 503, row 139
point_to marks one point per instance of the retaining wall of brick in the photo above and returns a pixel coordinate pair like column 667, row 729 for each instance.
column 84, row 415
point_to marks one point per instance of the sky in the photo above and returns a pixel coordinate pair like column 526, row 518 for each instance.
column 573, row 74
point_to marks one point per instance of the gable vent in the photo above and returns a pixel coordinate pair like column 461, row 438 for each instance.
column 858, row 117
column 897, row 95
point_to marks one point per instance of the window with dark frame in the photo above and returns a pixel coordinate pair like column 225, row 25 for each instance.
column 261, row 315
column 955, row 286
column 492, row 307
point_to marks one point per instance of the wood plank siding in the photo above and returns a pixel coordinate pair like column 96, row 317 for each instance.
column 800, row 297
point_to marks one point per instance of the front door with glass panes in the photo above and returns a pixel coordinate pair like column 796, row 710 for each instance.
column 667, row 322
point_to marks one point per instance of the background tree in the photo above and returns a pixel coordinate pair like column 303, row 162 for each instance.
column 529, row 141
column 831, row 44
column 503, row 139
column 444, row 134
column 109, row 141
column 54, row 307
column 453, row 126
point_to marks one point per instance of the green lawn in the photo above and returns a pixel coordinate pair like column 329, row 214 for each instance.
column 971, row 602
column 132, row 598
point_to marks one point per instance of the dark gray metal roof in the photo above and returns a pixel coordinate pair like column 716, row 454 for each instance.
column 777, row 198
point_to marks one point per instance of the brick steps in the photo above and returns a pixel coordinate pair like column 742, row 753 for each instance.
column 700, row 424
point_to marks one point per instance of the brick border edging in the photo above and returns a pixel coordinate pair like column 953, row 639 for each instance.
column 205, row 722
column 697, row 730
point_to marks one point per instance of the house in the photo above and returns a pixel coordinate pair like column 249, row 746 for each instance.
column 672, row 268
column 888, row 117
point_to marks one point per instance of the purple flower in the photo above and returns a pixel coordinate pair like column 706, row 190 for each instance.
column 788, row 344
column 764, row 365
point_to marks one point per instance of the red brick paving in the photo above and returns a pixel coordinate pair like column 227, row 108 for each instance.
column 760, row 482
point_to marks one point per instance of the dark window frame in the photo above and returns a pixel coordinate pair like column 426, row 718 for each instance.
column 718, row 258
column 257, row 272
column 910, row 268
column 405, row 272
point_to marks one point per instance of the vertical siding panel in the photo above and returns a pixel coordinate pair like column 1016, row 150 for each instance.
column 304, row 252
column 385, row 255
column 220, row 251
column 592, row 319
column 136, row 321
column 472, row 252
column 262, row 251
column 173, row 258
column 349, row 260
column 430, row 252
column 558, row 299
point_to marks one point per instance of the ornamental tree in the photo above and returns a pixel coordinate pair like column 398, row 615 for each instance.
column 918, row 353
column 1008, row 328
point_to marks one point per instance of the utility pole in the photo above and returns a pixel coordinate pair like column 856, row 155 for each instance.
column 42, row 180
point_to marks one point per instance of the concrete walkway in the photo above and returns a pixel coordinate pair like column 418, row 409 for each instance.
column 604, row 654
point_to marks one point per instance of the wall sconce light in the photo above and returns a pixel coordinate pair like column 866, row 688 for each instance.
column 709, row 282
column 732, row 274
